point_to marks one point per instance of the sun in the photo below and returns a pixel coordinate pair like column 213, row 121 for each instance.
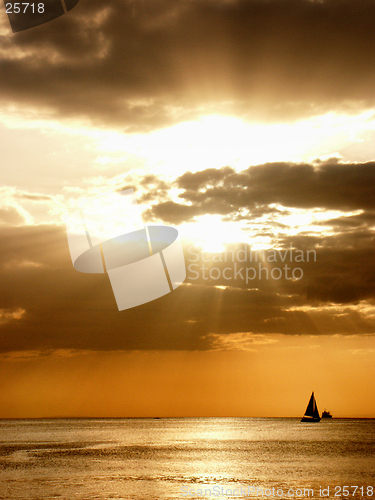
column 212, row 234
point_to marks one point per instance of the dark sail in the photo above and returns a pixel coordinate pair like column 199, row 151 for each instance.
column 312, row 412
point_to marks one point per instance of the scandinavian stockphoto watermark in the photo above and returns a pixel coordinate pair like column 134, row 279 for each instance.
column 248, row 265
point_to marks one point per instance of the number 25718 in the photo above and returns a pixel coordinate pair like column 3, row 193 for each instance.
column 17, row 8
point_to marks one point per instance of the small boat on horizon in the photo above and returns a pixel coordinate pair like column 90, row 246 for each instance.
column 312, row 412
column 326, row 414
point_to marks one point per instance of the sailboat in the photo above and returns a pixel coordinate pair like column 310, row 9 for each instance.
column 312, row 412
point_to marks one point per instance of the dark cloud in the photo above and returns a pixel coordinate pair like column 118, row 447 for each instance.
column 248, row 194
column 173, row 213
column 334, row 270
column 156, row 188
column 46, row 304
column 33, row 197
column 146, row 65
column 349, row 222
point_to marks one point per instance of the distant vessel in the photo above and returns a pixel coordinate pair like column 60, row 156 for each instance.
column 312, row 412
column 326, row 414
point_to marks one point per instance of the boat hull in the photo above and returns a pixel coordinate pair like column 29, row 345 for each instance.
column 310, row 419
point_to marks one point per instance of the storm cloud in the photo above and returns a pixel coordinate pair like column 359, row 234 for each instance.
column 147, row 65
column 328, row 185
column 47, row 305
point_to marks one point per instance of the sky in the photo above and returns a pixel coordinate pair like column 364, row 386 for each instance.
column 248, row 125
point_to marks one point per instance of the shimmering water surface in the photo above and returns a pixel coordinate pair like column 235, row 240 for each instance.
column 181, row 458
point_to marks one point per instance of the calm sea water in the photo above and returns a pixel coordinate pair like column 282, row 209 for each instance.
column 185, row 458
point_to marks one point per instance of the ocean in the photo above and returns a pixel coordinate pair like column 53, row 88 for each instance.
column 176, row 458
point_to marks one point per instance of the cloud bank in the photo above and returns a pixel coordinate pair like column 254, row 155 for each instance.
column 47, row 305
column 143, row 65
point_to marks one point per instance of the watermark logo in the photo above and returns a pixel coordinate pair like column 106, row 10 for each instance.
column 143, row 262
column 245, row 264
column 243, row 491
column 25, row 15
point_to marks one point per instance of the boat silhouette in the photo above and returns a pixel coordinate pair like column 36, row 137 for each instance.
column 312, row 412
column 326, row 414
